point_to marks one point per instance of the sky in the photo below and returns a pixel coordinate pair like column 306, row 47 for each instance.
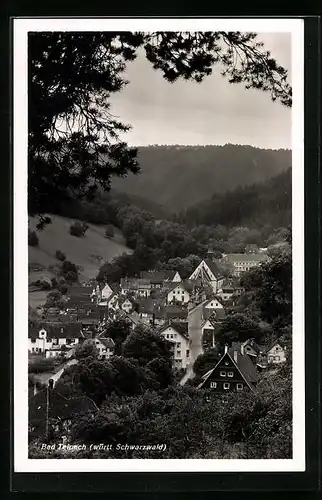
column 213, row 112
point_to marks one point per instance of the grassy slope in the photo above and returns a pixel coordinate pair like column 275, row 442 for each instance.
column 88, row 252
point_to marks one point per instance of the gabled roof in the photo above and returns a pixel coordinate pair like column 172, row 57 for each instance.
column 172, row 312
column 273, row 344
column 213, row 266
column 179, row 327
column 188, row 285
column 107, row 342
column 64, row 331
column 245, row 366
column 157, row 276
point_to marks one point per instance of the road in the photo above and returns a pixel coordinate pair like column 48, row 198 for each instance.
column 195, row 335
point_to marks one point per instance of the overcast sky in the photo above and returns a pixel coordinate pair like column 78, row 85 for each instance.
column 214, row 112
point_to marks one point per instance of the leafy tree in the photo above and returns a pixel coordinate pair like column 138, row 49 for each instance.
column 54, row 299
column 118, row 330
column 237, row 327
column 74, row 143
column 86, row 349
column 33, row 240
column 145, row 345
column 207, row 361
column 78, row 229
column 69, row 271
column 271, row 285
column 162, row 371
column 60, row 255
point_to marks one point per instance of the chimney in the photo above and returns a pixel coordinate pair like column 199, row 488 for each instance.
column 35, row 389
column 242, row 349
column 235, row 355
column 50, row 384
column 226, row 348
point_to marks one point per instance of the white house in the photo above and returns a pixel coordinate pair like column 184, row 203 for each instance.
column 40, row 341
column 276, row 354
column 177, row 334
column 178, row 293
column 213, row 304
column 208, row 272
column 127, row 305
column 243, row 262
column 105, row 346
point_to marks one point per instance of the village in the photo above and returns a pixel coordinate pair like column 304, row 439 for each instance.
column 185, row 312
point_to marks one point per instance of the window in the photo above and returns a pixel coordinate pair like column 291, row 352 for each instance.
column 187, row 353
column 270, row 358
column 239, row 387
column 226, row 385
column 226, row 363
column 32, row 349
column 224, row 399
column 230, row 374
column 33, row 341
column 277, row 358
column 223, row 374
column 213, row 385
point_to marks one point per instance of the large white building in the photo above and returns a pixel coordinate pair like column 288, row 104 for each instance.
column 177, row 335
column 243, row 262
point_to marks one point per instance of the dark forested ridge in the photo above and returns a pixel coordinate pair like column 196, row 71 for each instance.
column 267, row 202
column 179, row 177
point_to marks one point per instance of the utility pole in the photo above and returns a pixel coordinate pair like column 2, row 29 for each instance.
column 47, row 412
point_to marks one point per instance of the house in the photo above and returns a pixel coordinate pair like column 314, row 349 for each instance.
column 234, row 372
column 39, row 341
column 157, row 278
column 180, row 293
column 208, row 272
column 136, row 286
column 177, row 335
column 126, row 305
column 226, row 291
column 211, row 318
column 213, row 304
column 243, row 262
column 276, row 353
column 50, row 410
column 175, row 313
column 105, row 346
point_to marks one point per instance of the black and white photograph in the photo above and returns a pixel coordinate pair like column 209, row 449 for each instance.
column 158, row 240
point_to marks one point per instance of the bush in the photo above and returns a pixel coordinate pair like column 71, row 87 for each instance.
column 69, row 272
column 33, row 240
column 109, row 232
column 78, row 229
column 60, row 255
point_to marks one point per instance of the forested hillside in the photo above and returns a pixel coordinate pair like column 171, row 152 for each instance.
column 265, row 203
column 179, row 177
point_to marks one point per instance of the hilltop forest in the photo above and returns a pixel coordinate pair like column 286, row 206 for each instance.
column 179, row 177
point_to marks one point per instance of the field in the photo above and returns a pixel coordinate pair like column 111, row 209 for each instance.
column 88, row 252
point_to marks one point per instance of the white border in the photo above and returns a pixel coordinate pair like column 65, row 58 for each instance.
column 21, row 461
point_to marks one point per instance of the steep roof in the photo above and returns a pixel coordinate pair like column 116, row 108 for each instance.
column 246, row 257
column 213, row 266
column 172, row 312
column 71, row 330
column 157, row 276
column 107, row 342
column 180, row 327
column 242, row 362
